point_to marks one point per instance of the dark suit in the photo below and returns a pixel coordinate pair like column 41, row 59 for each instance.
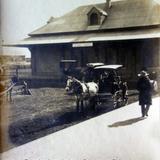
column 145, row 94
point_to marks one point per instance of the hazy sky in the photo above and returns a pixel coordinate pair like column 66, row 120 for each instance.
column 20, row 17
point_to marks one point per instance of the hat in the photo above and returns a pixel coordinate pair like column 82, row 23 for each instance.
column 143, row 74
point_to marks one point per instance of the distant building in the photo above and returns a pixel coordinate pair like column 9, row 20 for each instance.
column 11, row 61
column 120, row 32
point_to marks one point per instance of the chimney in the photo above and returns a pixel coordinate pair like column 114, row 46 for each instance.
column 108, row 4
column 51, row 19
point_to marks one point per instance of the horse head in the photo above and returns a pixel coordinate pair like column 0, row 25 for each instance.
column 69, row 84
column 73, row 86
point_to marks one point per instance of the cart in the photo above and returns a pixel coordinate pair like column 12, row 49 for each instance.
column 111, row 87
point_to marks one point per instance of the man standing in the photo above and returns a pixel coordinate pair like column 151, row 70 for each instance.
column 145, row 92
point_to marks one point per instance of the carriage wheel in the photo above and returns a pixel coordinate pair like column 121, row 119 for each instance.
column 117, row 104
column 114, row 104
column 77, row 105
column 118, row 100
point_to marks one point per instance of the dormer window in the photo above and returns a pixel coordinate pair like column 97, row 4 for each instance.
column 94, row 20
column 96, row 16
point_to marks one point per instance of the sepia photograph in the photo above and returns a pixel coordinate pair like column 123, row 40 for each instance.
column 80, row 80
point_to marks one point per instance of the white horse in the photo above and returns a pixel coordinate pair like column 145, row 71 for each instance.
column 83, row 91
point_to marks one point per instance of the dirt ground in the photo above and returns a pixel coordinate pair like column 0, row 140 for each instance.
column 44, row 112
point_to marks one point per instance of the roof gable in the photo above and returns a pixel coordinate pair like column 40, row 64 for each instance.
column 122, row 14
column 98, row 10
column 96, row 16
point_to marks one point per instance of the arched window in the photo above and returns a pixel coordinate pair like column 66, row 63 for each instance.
column 94, row 19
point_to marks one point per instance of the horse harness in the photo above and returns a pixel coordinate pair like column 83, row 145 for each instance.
column 87, row 88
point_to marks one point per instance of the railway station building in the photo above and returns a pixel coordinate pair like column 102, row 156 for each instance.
column 123, row 32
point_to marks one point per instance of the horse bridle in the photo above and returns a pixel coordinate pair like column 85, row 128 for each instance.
column 75, row 86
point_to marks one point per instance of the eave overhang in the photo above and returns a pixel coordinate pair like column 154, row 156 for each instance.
column 89, row 37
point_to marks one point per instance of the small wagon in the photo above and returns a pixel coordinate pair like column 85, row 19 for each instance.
column 111, row 87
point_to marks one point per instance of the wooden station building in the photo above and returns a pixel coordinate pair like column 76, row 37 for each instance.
column 114, row 32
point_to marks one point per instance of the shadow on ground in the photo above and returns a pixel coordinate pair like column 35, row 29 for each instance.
column 126, row 122
column 24, row 131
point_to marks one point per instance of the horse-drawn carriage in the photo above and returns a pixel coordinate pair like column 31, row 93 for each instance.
column 100, row 84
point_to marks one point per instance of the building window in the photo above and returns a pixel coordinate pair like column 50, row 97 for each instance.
column 94, row 19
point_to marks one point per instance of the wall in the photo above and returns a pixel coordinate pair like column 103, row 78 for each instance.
column 133, row 54
column 45, row 61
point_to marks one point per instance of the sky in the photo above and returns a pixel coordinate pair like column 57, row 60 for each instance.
column 20, row 17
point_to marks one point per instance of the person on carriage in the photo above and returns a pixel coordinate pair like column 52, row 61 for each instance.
column 106, row 82
column 88, row 75
column 115, row 87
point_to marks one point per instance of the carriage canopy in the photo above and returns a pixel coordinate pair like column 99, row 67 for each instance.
column 108, row 67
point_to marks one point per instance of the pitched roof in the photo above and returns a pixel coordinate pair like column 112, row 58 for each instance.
column 122, row 14
column 144, row 33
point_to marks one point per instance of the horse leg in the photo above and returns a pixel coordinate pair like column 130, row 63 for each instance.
column 77, row 105
column 82, row 106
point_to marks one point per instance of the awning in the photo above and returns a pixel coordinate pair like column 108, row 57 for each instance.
column 91, row 37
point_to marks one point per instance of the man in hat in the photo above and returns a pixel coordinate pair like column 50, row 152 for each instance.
column 145, row 92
